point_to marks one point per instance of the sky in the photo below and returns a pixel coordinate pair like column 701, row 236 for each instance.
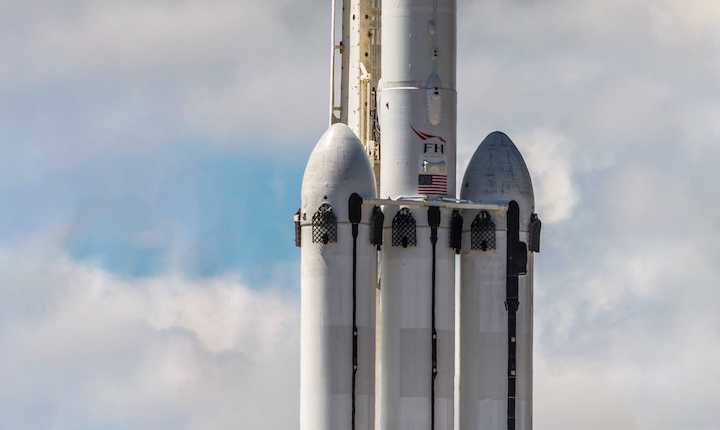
column 152, row 159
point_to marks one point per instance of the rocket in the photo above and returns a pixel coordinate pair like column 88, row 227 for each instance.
column 382, row 228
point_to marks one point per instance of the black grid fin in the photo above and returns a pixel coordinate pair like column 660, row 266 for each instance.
column 404, row 232
column 324, row 225
column 482, row 232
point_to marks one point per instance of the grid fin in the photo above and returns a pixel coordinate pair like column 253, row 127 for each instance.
column 482, row 232
column 404, row 231
column 324, row 225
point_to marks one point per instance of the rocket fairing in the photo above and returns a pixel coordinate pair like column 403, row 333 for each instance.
column 418, row 101
column 380, row 216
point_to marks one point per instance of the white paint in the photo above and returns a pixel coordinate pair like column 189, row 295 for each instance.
column 405, row 355
column 496, row 173
column 417, row 91
column 337, row 168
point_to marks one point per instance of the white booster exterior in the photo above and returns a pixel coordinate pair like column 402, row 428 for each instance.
column 417, row 111
column 337, row 168
column 496, row 173
column 380, row 226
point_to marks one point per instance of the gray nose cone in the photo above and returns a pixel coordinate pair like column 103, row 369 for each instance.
column 338, row 167
column 497, row 173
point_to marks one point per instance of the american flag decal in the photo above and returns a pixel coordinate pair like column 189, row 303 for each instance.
column 432, row 184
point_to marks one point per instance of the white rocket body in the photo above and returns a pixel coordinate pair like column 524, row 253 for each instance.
column 337, row 168
column 418, row 100
column 417, row 112
column 496, row 173
column 406, row 121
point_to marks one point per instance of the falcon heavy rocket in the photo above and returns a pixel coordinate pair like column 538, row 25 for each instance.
column 380, row 225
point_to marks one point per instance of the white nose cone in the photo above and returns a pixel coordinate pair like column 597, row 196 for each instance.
column 338, row 167
column 497, row 173
column 337, row 301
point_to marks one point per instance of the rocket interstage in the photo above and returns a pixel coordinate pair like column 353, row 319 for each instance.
column 392, row 224
column 418, row 100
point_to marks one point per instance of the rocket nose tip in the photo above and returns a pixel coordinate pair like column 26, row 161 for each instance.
column 497, row 134
column 340, row 130
column 498, row 138
column 498, row 172
column 338, row 166
column 339, row 126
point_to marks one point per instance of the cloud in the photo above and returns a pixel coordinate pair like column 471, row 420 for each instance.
column 549, row 156
column 102, row 78
column 86, row 350
column 612, row 104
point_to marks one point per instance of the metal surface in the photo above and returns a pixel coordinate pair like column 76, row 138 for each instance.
column 535, row 229
column 482, row 232
column 405, row 360
column 339, row 61
column 324, row 225
column 496, row 173
column 332, row 311
column 355, row 215
column 364, row 74
column 377, row 222
column 417, row 113
column 456, row 227
column 434, row 222
column 447, row 203
column 418, row 105
column 404, row 230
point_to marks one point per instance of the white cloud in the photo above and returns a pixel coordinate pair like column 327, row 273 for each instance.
column 622, row 341
column 82, row 349
column 108, row 77
column 550, row 159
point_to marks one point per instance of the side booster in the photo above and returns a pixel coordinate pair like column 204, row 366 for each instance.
column 496, row 297
column 338, row 277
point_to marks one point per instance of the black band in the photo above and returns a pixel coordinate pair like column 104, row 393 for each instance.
column 512, row 303
column 434, row 222
column 355, row 215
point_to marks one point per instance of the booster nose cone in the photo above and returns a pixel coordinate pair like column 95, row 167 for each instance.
column 338, row 167
column 497, row 173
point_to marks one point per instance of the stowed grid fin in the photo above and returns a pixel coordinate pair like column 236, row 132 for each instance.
column 456, row 226
column 324, row 225
column 404, row 231
column 482, row 232
column 298, row 228
column 377, row 220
